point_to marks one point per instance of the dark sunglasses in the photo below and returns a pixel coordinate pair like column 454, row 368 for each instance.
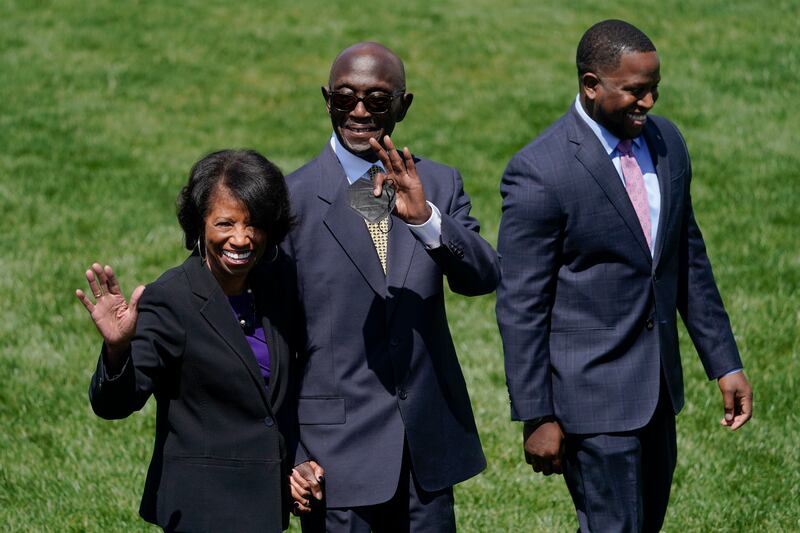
column 376, row 103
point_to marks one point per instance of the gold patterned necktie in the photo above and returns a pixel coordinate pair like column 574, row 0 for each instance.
column 379, row 231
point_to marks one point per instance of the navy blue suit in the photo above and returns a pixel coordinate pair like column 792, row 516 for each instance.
column 587, row 315
column 380, row 368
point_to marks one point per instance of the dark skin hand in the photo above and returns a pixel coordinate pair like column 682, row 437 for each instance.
column 544, row 447
column 114, row 317
column 411, row 206
column 737, row 400
column 306, row 483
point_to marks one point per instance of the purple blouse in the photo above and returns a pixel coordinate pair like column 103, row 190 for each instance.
column 244, row 309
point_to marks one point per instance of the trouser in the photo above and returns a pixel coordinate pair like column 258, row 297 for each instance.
column 620, row 482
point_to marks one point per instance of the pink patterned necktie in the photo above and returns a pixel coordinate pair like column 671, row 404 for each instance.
column 634, row 184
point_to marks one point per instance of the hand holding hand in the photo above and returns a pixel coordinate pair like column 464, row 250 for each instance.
column 737, row 399
column 114, row 318
column 544, row 447
column 305, row 482
column 411, row 206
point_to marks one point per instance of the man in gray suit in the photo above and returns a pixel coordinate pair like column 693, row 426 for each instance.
column 599, row 248
column 383, row 405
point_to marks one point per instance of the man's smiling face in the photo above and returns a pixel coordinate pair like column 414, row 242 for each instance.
column 620, row 98
column 363, row 71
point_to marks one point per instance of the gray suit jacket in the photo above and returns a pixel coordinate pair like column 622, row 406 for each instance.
column 587, row 316
column 380, row 365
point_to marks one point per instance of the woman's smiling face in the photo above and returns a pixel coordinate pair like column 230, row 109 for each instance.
column 232, row 245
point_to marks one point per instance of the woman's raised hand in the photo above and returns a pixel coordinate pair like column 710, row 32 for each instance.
column 114, row 318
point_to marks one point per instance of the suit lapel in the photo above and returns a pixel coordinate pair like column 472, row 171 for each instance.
column 347, row 226
column 593, row 157
column 401, row 250
column 273, row 304
column 278, row 348
column 658, row 153
column 216, row 310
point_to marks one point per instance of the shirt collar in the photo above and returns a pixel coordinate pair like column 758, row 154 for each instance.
column 354, row 167
column 607, row 139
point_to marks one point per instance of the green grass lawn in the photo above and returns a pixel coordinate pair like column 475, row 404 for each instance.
column 103, row 109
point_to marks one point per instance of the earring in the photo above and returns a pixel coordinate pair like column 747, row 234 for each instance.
column 201, row 250
column 274, row 255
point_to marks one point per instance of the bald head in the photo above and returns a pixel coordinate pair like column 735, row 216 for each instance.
column 366, row 96
column 370, row 58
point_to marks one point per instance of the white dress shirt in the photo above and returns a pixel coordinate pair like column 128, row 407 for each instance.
column 355, row 168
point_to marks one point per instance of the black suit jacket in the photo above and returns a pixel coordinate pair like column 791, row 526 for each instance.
column 588, row 317
column 217, row 461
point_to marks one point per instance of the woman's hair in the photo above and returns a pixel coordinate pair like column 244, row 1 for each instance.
column 251, row 178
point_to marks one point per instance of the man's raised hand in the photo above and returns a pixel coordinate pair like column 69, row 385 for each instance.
column 411, row 206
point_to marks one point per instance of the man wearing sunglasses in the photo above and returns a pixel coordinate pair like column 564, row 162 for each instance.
column 383, row 406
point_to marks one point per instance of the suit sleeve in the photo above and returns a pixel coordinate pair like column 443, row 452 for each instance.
column 155, row 349
column 466, row 259
column 699, row 301
column 297, row 451
column 528, row 244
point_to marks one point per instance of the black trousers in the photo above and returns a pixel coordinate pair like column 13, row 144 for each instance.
column 620, row 482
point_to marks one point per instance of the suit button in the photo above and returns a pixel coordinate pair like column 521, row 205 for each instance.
column 401, row 393
column 268, row 421
column 650, row 324
column 456, row 250
column 395, row 341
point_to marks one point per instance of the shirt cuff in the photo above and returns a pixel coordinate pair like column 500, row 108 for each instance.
column 729, row 372
column 430, row 231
